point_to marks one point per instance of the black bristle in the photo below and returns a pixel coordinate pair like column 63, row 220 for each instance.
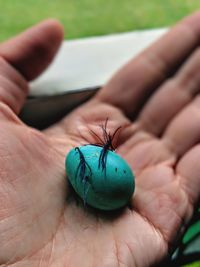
column 81, row 172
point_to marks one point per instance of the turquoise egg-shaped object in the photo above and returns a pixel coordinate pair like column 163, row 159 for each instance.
column 103, row 182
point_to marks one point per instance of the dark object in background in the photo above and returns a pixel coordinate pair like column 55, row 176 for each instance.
column 41, row 112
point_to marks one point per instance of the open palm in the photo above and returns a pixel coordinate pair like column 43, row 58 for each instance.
column 40, row 224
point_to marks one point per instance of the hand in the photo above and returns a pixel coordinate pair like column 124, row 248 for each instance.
column 155, row 99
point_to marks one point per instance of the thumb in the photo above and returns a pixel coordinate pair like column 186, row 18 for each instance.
column 23, row 58
column 32, row 51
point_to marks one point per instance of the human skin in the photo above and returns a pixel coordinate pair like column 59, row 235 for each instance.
column 155, row 98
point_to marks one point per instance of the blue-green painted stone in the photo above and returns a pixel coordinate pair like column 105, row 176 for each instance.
column 106, row 189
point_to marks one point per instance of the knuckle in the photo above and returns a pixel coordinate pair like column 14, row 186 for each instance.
column 3, row 63
column 6, row 113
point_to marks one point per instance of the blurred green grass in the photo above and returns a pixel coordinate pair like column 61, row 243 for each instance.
column 195, row 264
column 83, row 18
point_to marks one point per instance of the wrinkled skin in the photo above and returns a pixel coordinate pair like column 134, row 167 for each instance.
column 155, row 98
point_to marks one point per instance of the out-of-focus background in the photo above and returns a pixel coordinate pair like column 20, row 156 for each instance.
column 84, row 18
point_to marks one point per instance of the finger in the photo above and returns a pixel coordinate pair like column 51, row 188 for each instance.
column 184, row 130
column 129, row 88
column 172, row 96
column 25, row 57
column 13, row 87
column 189, row 169
column 33, row 50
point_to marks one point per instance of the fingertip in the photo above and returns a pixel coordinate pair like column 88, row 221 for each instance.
column 195, row 15
column 54, row 26
column 192, row 21
column 33, row 50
